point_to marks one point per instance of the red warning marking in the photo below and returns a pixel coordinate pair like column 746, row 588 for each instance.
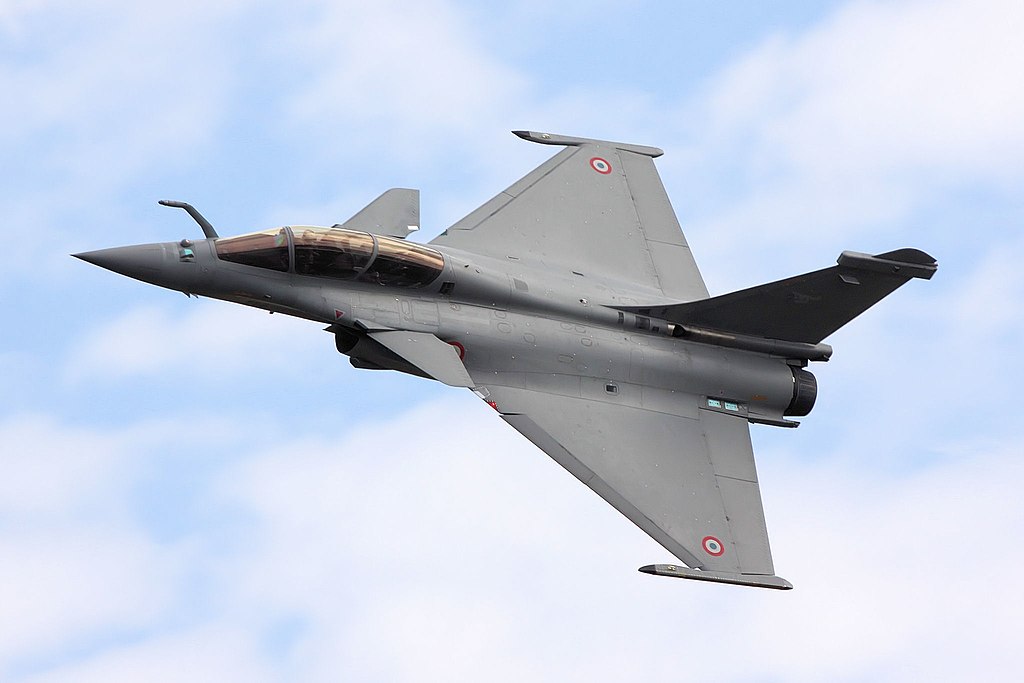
column 460, row 348
column 338, row 314
column 601, row 165
column 712, row 546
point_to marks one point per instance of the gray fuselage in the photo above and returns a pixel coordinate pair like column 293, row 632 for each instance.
column 507, row 320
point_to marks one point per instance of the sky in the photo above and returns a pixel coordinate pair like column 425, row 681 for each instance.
column 192, row 490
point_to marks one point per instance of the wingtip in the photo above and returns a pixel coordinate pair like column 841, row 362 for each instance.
column 909, row 263
column 532, row 136
column 751, row 580
column 570, row 141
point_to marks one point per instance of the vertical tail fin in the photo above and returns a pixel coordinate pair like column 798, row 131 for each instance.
column 806, row 308
column 396, row 213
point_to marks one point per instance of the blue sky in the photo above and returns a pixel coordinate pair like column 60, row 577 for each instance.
column 194, row 490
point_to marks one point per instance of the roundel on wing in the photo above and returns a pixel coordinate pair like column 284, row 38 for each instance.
column 712, row 546
column 601, row 165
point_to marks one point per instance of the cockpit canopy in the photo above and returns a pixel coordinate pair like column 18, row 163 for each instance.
column 335, row 253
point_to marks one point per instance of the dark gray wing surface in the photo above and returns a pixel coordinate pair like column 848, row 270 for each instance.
column 598, row 208
column 688, row 480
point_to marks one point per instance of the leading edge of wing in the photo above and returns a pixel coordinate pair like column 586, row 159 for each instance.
column 689, row 482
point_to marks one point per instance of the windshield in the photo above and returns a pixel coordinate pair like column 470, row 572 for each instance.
column 336, row 253
column 329, row 252
column 347, row 254
column 267, row 249
column 403, row 264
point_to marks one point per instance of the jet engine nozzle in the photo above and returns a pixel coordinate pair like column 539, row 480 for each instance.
column 805, row 392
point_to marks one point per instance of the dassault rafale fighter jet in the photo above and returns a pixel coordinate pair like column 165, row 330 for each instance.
column 572, row 305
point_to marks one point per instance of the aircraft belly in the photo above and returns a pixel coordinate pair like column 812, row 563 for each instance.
column 503, row 342
column 611, row 365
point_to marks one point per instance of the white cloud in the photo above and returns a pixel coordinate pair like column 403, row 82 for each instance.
column 75, row 568
column 79, row 581
column 854, row 127
column 905, row 572
column 205, row 654
column 883, row 87
column 408, row 545
column 984, row 307
column 112, row 86
column 212, row 341
column 407, row 75
column 48, row 468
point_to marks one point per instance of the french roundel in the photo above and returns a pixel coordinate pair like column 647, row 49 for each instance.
column 712, row 546
column 460, row 348
column 601, row 165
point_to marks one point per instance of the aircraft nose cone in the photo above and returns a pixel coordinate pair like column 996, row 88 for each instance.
column 143, row 262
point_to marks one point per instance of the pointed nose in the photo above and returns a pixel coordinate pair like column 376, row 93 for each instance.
column 167, row 264
column 144, row 262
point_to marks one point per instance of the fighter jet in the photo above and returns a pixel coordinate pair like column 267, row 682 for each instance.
column 572, row 305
